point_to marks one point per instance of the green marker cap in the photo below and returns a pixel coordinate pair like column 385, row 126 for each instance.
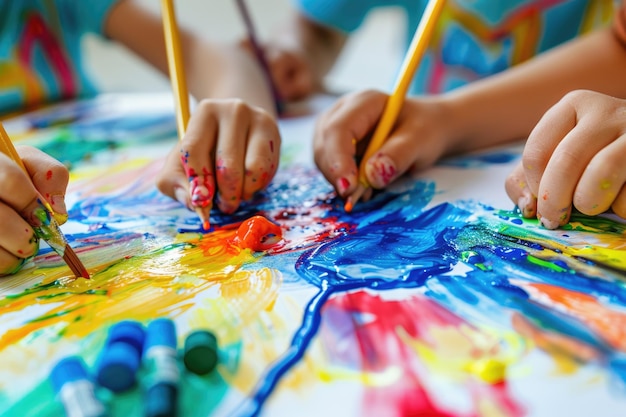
column 201, row 352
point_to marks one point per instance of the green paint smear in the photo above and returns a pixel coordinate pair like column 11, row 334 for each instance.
column 67, row 146
column 546, row 264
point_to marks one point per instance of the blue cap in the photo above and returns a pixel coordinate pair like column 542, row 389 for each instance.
column 69, row 369
column 129, row 332
column 117, row 367
column 161, row 332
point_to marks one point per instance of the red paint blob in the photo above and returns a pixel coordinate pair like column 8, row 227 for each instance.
column 49, row 174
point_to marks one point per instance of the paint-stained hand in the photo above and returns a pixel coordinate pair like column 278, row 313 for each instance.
column 574, row 157
column 230, row 151
column 18, row 199
column 417, row 140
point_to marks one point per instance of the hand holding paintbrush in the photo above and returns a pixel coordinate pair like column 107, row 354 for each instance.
column 20, row 195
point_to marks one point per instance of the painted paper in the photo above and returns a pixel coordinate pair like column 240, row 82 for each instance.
column 435, row 298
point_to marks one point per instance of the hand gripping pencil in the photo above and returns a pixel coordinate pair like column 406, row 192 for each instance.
column 396, row 100
column 179, row 83
column 47, row 228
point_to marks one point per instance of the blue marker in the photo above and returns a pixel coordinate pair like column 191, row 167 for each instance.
column 121, row 356
column 163, row 374
column 71, row 382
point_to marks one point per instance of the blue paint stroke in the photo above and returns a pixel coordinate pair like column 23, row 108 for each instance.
column 479, row 160
column 423, row 250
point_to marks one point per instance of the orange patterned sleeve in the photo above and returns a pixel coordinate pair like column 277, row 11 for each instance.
column 619, row 24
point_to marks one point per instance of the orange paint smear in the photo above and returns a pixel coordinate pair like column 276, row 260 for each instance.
column 611, row 325
column 258, row 234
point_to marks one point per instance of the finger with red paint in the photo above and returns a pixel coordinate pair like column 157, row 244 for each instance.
column 575, row 158
column 419, row 137
column 18, row 200
column 229, row 152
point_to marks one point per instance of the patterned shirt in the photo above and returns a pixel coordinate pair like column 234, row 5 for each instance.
column 40, row 49
column 475, row 38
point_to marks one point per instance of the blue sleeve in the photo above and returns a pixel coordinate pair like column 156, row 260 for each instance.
column 343, row 15
column 86, row 16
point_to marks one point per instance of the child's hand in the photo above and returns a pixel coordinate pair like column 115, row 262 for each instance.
column 18, row 199
column 291, row 72
column 576, row 155
column 230, row 147
column 417, row 140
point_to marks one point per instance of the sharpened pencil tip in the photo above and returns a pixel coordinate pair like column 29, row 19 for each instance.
column 348, row 206
column 204, row 213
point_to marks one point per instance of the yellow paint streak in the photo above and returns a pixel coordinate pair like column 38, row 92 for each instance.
column 463, row 351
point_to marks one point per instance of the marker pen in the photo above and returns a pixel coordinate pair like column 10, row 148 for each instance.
column 163, row 374
column 76, row 391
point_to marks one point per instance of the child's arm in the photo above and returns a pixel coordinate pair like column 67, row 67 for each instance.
column 232, row 145
column 574, row 156
column 18, row 199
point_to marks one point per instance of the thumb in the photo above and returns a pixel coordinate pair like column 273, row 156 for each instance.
column 49, row 176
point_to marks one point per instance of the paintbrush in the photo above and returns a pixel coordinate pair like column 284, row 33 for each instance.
column 396, row 99
column 260, row 56
column 47, row 229
column 179, row 86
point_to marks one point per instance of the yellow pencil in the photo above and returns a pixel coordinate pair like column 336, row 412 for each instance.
column 47, row 229
column 179, row 83
column 394, row 104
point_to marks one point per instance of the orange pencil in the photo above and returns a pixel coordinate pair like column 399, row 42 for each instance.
column 396, row 99
column 179, row 85
column 48, row 229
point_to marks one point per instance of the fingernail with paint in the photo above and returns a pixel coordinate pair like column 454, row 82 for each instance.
column 548, row 224
column 57, row 202
column 342, row 185
column 564, row 218
column 380, row 170
column 201, row 196
column 527, row 205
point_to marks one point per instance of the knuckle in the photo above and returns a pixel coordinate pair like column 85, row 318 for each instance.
column 10, row 177
column 576, row 96
column 206, row 106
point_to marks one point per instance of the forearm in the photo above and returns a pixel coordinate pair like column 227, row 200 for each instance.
column 213, row 71
column 507, row 106
column 226, row 71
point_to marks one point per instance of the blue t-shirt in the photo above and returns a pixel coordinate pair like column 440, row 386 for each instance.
column 40, row 49
column 474, row 38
